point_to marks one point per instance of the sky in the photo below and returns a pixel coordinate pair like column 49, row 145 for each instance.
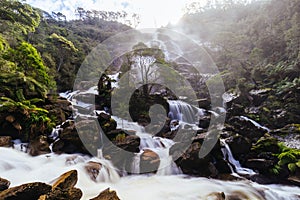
column 153, row 13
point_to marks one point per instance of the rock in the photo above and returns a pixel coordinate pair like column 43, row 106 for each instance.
column 66, row 181
column 4, row 184
column 259, row 164
column 39, row 146
column 259, row 96
column 106, row 122
column 72, row 193
column 215, row 196
column 239, row 145
column 189, row 161
column 82, row 138
column 149, row 161
column 63, row 188
column 28, row 191
column 107, row 195
column 61, row 108
column 93, row 169
column 247, row 128
column 10, row 118
column 5, row 141
column 120, row 150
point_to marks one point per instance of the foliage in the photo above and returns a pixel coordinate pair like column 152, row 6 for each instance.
column 34, row 119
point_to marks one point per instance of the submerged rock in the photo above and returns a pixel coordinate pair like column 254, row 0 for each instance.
column 28, row 191
column 149, row 161
column 93, row 169
column 107, row 195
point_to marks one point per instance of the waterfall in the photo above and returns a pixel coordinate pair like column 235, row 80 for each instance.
column 237, row 168
column 182, row 111
column 255, row 123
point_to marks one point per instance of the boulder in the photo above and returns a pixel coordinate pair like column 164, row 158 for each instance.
column 120, row 150
column 93, row 169
column 260, row 164
column 5, row 141
column 28, row 191
column 82, row 138
column 63, row 188
column 215, row 196
column 239, row 145
column 72, row 193
column 107, row 195
column 149, row 161
column 4, row 184
column 247, row 128
column 66, row 181
column 39, row 146
column 106, row 122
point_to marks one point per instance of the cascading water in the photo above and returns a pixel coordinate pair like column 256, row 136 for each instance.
column 158, row 145
column 182, row 111
column 20, row 168
column 236, row 168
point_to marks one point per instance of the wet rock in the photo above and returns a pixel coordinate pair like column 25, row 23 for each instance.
column 5, row 141
column 93, row 169
column 61, row 108
column 259, row 164
column 259, row 96
column 149, row 161
column 107, row 195
column 39, row 146
column 82, row 138
column 106, row 122
column 215, row 196
column 63, row 188
column 72, row 193
column 28, row 191
column 239, row 145
column 246, row 128
column 4, row 184
column 66, row 181
column 189, row 160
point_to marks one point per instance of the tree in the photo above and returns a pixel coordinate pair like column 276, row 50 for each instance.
column 64, row 49
column 15, row 15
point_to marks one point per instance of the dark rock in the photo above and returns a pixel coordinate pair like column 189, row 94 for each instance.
column 149, row 161
column 239, row 145
column 259, row 96
column 66, row 181
column 259, row 164
column 39, row 146
column 216, row 196
column 106, row 122
column 82, row 138
column 5, row 141
column 107, row 195
column 4, row 184
column 93, row 169
column 57, row 193
column 204, row 121
column 120, row 150
column 246, row 128
column 28, row 191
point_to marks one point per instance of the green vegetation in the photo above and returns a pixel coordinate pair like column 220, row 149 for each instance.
column 257, row 44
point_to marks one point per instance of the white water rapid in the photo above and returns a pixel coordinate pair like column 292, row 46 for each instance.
column 234, row 164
